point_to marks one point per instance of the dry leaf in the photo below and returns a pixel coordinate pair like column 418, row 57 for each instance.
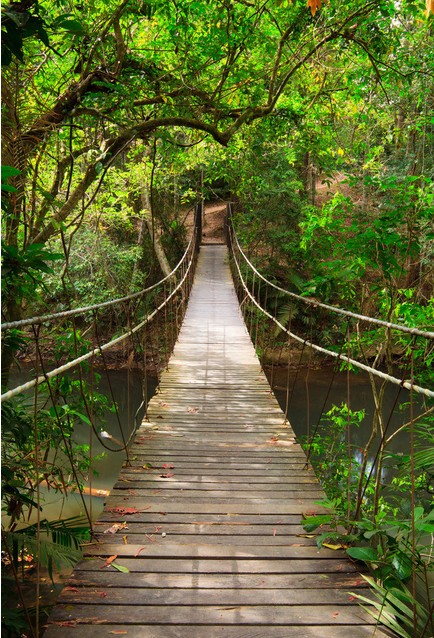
column 314, row 5
column 127, row 510
column 109, row 560
column 115, row 528
column 334, row 546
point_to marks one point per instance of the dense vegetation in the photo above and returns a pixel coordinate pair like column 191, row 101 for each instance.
column 315, row 119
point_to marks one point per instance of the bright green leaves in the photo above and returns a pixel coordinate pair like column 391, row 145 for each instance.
column 22, row 269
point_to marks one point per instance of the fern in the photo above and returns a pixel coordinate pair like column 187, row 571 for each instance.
column 396, row 609
column 58, row 546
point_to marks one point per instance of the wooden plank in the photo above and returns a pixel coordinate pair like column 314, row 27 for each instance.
column 196, row 549
column 210, row 631
column 220, row 506
column 230, row 614
column 228, row 596
column 170, row 580
column 222, row 566
column 210, row 504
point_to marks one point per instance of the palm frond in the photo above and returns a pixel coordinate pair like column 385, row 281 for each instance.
column 396, row 609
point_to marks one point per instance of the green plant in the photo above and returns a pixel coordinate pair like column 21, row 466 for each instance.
column 398, row 610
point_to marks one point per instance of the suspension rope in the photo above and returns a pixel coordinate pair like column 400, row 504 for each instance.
column 405, row 384
column 100, row 349
column 319, row 304
column 77, row 311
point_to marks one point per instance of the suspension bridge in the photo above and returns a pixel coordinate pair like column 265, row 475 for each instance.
column 202, row 533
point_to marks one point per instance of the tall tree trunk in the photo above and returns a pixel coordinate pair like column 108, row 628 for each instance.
column 154, row 231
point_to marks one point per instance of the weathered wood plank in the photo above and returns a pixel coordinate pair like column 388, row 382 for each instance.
column 222, row 566
column 195, row 548
column 170, row 580
column 203, row 596
column 230, row 614
column 210, row 631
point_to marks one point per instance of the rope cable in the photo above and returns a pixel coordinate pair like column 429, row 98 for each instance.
column 347, row 313
column 96, row 351
column 105, row 304
column 406, row 384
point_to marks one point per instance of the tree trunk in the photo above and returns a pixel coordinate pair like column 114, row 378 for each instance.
column 155, row 232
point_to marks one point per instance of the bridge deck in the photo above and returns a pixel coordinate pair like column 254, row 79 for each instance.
column 212, row 502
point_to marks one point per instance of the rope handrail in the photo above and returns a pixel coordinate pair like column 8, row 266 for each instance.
column 99, row 350
column 405, row 384
column 32, row 321
column 387, row 324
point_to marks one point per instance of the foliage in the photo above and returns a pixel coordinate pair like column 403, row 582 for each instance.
column 397, row 610
column 392, row 539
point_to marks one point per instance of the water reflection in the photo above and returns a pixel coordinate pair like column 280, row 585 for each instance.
column 126, row 388
column 310, row 388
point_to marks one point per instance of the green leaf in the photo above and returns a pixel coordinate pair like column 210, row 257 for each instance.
column 9, row 171
column 366, row 554
column 121, row 568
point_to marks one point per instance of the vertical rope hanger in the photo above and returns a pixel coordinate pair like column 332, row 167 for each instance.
column 349, row 452
column 38, row 495
column 59, row 423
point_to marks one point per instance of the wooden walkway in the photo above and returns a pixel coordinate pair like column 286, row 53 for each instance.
column 212, row 503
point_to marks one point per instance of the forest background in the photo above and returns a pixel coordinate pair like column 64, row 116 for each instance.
column 316, row 120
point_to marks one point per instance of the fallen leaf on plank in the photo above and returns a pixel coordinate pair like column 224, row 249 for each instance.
column 168, row 475
column 120, row 568
column 334, row 546
column 127, row 510
column 115, row 528
column 109, row 560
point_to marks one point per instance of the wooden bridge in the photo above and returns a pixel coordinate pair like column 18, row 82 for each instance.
column 201, row 536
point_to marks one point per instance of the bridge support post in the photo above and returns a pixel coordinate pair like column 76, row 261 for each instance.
column 198, row 222
column 226, row 226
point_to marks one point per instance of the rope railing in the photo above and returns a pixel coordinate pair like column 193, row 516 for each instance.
column 33, row 321
column 189, row 254
column 378, row 373
column 312, row 302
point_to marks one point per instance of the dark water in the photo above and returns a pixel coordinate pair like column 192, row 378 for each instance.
column 308, row 400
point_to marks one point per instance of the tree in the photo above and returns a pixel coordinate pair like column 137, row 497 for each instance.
column 83, row 84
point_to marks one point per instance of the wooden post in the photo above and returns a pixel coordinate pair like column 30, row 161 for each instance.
column 198, row 214
column 226, row 226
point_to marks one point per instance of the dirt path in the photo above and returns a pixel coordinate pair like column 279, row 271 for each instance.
column 213, row 223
